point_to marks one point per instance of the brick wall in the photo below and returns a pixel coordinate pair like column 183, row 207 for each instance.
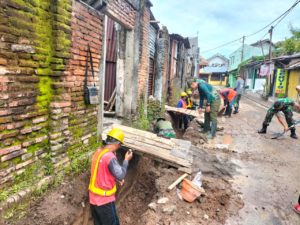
column 43, row 118
column 143, row 70
column 122, row 12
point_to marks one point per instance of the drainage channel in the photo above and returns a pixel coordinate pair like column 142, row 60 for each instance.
column 133, row 197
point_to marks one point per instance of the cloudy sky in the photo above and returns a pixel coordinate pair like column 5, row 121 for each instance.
column 220, row 21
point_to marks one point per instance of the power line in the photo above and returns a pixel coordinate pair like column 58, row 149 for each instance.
column 280, row 18
column 228, row 43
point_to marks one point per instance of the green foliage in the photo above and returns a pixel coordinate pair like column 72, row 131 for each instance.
column 22, row 181
column 141, row 121
column 18, row 210
column 290, row 45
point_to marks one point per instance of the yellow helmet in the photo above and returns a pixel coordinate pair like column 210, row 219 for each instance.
column 116, row 134
column 183, row 94
column 189, row 92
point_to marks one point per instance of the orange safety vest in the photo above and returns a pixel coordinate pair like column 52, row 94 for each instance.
column 184, row 106
column 94, row 170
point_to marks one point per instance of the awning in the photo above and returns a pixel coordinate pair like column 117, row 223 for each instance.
column 294, row 66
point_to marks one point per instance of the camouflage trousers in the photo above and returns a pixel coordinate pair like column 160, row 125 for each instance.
column 288, row 117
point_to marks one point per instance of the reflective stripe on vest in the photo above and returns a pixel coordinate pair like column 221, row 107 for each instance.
column 92, row 186
column 190, row 103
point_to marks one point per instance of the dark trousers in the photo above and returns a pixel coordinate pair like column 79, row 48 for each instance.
column 105, row 214
column 237, row 103
column 184, row 119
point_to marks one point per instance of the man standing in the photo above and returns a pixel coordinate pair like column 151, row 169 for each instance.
column 239, row 88
column 105, row 170
column 213, row 102
column 285, row 105
column 229, row 95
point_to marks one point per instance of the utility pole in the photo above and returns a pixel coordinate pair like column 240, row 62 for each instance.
column 243, row 46
column 270, row 47
column 270, row 77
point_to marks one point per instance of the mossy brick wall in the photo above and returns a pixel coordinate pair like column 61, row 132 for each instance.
column 42, row 59
column 87, row 28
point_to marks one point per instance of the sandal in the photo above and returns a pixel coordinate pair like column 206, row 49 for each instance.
column 297, row 208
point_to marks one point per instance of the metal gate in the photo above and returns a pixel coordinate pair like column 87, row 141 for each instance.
column 111, row 60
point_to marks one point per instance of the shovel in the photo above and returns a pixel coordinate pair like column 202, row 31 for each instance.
column 281, row 134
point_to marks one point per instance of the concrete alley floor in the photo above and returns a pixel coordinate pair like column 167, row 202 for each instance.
column 268, row 176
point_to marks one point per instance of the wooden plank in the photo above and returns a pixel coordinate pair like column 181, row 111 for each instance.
column 148, row 149
column 156, row 147
column 176, row 182
column 111, row 99
column 145, row 134
column 188, row 112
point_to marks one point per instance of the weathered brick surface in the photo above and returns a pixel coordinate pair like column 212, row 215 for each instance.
column 42, row 62
column 122, row 12
column 143, row 72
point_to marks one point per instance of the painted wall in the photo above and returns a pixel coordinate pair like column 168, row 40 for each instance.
column 294, row 80
column 216, row 64
column 249, row 51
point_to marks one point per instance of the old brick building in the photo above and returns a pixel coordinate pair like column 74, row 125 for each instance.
column 44, row 121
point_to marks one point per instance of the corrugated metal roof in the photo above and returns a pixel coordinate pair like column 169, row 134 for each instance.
column 152, row 41
column 294, row 66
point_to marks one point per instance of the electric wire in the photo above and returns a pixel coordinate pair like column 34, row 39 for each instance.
column 278, row 20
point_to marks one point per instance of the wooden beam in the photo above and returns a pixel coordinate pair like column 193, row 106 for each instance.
column 188, row 112
column 176, row 182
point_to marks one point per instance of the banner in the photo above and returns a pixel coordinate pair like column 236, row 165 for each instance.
column 281, row 80
column 266, row 69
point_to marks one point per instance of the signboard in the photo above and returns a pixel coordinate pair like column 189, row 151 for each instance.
column 281, row 80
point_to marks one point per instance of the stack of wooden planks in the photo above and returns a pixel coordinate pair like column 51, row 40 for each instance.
column 188, row 112
column 174, row 152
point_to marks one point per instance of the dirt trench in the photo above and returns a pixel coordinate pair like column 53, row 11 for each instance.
column 146, row 182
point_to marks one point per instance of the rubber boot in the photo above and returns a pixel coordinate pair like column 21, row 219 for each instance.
column 293, row 134
column 213, row 130
column 263, row 130
column 229, row 112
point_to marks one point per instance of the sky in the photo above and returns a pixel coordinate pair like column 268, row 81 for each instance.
column 221, row 21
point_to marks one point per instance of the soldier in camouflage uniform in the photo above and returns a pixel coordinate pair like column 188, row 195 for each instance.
column 286, row 106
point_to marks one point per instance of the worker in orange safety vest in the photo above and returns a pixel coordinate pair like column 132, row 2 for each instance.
column 229, row 96
column 105, row 170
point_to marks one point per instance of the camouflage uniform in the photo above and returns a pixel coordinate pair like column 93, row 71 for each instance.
column 286, row 109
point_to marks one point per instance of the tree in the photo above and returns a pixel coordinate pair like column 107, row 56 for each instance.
column 291, row 45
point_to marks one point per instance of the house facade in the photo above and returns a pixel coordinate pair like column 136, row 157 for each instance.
column 216, row 70
column 256, row 49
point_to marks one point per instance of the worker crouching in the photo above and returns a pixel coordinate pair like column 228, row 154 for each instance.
column 284, row 105
column 164, row 128
column 229, row 97
column 105, row 170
